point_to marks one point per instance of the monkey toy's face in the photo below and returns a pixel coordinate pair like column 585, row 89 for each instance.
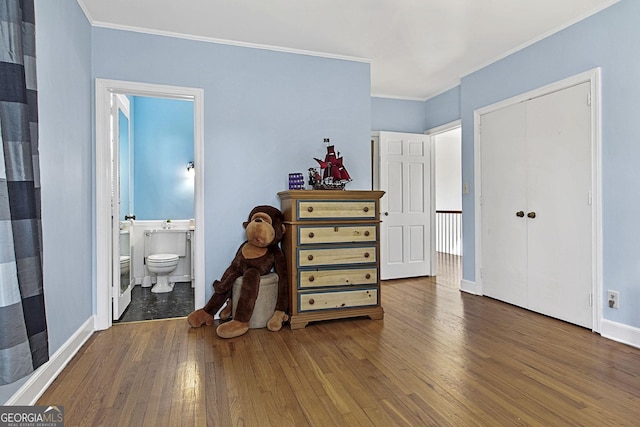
column 260, row 230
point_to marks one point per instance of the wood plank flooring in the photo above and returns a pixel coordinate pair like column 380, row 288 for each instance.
column 440, row 357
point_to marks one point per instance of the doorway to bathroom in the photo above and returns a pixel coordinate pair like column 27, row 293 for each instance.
column 148, row 183
column 154, row 161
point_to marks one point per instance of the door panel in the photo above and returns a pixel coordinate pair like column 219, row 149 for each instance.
column 121, row 280
column 536, row 159
column 559, row 185
column 504, row 245
column 405, row 176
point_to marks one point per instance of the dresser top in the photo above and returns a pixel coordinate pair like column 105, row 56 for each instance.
column 330, row 194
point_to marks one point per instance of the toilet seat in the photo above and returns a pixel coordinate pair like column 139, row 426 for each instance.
column 159, row 259
column 162, row 265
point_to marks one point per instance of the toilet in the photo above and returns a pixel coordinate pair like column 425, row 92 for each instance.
column 163, row 249
column 124, row 265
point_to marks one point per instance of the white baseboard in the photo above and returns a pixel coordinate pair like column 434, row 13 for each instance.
column 470, row 287
column 42, row 378
column 619, row 332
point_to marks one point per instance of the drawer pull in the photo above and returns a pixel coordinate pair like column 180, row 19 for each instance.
column 310, row 209
column 311, row 235
column 366, row 254
column 312, row 301
column 366, row 233
column 311, row 278
column 335, row 229
column 366, row 209
column 368, row 276
column 310, row 257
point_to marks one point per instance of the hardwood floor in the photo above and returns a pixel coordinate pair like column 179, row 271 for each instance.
column 440, row 357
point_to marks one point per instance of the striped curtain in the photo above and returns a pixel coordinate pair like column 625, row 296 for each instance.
column 24, row 343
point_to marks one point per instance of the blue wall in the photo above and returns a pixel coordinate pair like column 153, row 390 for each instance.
column 443, row 108
column 607, row 40
column 163, row 145
column 397, row 115
column 266, row 114
column 63, row 45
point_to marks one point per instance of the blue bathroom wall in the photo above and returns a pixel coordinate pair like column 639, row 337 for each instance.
column 265, row 115
column 398, row 115
column 163, row 135
column 607, row 40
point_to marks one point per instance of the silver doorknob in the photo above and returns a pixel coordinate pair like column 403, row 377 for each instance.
column 520, row 214
column 531, row 215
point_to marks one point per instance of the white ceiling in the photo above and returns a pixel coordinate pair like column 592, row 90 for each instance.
column 416, row 48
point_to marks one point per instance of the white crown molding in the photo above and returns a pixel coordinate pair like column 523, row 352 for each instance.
column 85, row 10
column 205, row 39
column 400, row 98
column 539, row 38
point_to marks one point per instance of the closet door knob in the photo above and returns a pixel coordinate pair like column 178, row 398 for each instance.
column 520, row 214
column 531, row 215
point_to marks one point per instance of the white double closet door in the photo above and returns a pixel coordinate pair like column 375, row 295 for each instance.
column 536, row 202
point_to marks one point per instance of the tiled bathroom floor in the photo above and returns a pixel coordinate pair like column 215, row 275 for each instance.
column 145, row 305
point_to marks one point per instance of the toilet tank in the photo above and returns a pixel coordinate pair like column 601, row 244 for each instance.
column 166, row 242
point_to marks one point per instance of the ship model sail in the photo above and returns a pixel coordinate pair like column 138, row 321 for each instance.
column 334, row 175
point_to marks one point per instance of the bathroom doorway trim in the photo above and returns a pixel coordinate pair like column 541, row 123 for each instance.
column 103, row 249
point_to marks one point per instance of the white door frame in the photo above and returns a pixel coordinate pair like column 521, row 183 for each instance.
column 431, row 134
column 103, row 245
column 593, row 78
column 376, row 160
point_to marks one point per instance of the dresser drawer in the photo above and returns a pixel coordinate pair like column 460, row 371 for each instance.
column 341, row 277
column 357, row 209
column 336, row 256
column 337, row 234
column 337, row 300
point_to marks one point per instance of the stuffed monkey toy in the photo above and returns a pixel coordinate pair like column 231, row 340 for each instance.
column 257, row 256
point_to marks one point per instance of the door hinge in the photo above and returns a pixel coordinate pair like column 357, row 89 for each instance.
column 590, row 198
column 590, row 300
column 589, row 99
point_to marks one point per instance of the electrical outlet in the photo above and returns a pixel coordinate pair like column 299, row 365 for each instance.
column 613, row 299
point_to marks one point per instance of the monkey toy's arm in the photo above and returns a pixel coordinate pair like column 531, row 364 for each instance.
column 282, row 304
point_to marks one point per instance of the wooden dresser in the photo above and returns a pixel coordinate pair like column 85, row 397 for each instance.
column 332, row 246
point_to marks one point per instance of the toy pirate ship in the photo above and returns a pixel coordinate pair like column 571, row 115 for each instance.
column 334, row 175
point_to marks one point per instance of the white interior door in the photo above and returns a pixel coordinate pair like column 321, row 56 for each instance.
column 559, row 192
column 504, row 205
column 536, row 201
column 407, row 206
column 120, row 134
